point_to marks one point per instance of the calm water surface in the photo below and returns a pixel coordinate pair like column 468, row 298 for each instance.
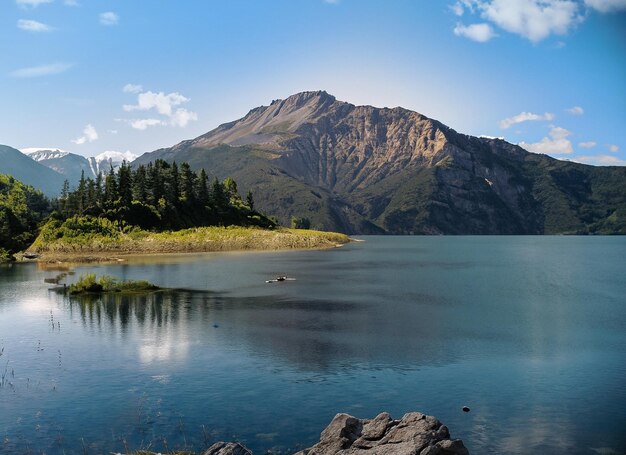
column 530, row 332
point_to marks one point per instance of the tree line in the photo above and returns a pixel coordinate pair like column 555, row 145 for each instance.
column 160, row 196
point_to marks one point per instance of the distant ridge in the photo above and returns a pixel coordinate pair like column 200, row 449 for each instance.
column 15, row 163
column 72, row 165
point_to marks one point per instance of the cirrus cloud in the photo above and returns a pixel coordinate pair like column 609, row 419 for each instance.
column 142, row 124
column 576, row 110
column 41, row 70
column 32, row 3
column 33, row 26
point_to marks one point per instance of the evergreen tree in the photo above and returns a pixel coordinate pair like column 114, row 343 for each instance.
column 250, row 200
column 186, row 184
column 125, row 182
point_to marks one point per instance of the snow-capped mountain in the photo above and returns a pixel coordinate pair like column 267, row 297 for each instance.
column 109, row 159
column 72, row 165
column 41, row 153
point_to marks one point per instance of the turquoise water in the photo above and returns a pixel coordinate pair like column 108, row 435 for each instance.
column 529, row 332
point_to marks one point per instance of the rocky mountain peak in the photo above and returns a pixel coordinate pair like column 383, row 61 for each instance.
column 44, row 154
column 268, row 125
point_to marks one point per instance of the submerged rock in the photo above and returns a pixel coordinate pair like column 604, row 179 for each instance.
column 414, row 434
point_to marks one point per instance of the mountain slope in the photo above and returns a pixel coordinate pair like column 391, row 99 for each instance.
column 361, row 169
column 15, row 163
column 68, row 164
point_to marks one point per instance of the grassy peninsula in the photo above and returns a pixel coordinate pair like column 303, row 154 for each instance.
column 155, row 209
column 90, row 239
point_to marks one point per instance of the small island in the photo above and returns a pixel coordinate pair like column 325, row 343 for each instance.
column 160, row 208
column 90, row 284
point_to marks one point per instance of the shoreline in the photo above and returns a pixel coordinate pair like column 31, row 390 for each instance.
column 180, row 243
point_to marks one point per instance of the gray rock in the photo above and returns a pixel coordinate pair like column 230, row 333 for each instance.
column 414, row 434
column 227, row 448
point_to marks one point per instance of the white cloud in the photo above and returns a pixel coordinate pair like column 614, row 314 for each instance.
column 42, row 70
column 532, row 19
column 109, row 18
column 142, row 124
column 182, row 117
column 557, row 143
column 606, row 6
column 613, row 148
column 587, row 145
column 33, row 3
column 132, row 88
column 576, row 110
column 33, row 26
column 164, row 104
column 160, row 101
column 599, row 160
column 89, row 135
column 477, row 32
column 524, row 117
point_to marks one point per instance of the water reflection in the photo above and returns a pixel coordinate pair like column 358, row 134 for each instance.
column 523, row 330
column 315, row 335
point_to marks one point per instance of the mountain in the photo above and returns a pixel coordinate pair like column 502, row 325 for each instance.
column 68, row 164
column 72, row 165
column 15, row 163
column 107, row 160
column 362, row 169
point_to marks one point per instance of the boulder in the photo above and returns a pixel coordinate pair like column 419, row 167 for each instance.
column 414, row 434
column 227, row 448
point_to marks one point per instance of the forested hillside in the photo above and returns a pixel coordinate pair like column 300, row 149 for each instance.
column 22, row 208
column 160, row 196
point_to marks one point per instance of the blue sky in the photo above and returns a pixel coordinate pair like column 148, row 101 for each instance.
column 89, row 76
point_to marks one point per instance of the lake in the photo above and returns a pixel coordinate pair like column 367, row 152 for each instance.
column 529, row 332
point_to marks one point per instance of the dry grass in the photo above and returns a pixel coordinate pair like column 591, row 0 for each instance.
column 205, row 239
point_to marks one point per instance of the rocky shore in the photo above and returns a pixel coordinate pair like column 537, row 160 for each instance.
column 414, row 434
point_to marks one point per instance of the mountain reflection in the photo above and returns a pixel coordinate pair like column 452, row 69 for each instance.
column 315, row 335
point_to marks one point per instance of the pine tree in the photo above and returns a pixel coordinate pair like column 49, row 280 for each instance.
column 125, row 188
column 250, row 200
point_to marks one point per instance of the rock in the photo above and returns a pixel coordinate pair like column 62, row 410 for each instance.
column 227, row 448
column 414, row 434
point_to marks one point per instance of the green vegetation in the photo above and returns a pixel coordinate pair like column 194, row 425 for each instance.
column 89, row 238
column 88, row 283
column 156, row 208
column 22, row 208
column 160, row 196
